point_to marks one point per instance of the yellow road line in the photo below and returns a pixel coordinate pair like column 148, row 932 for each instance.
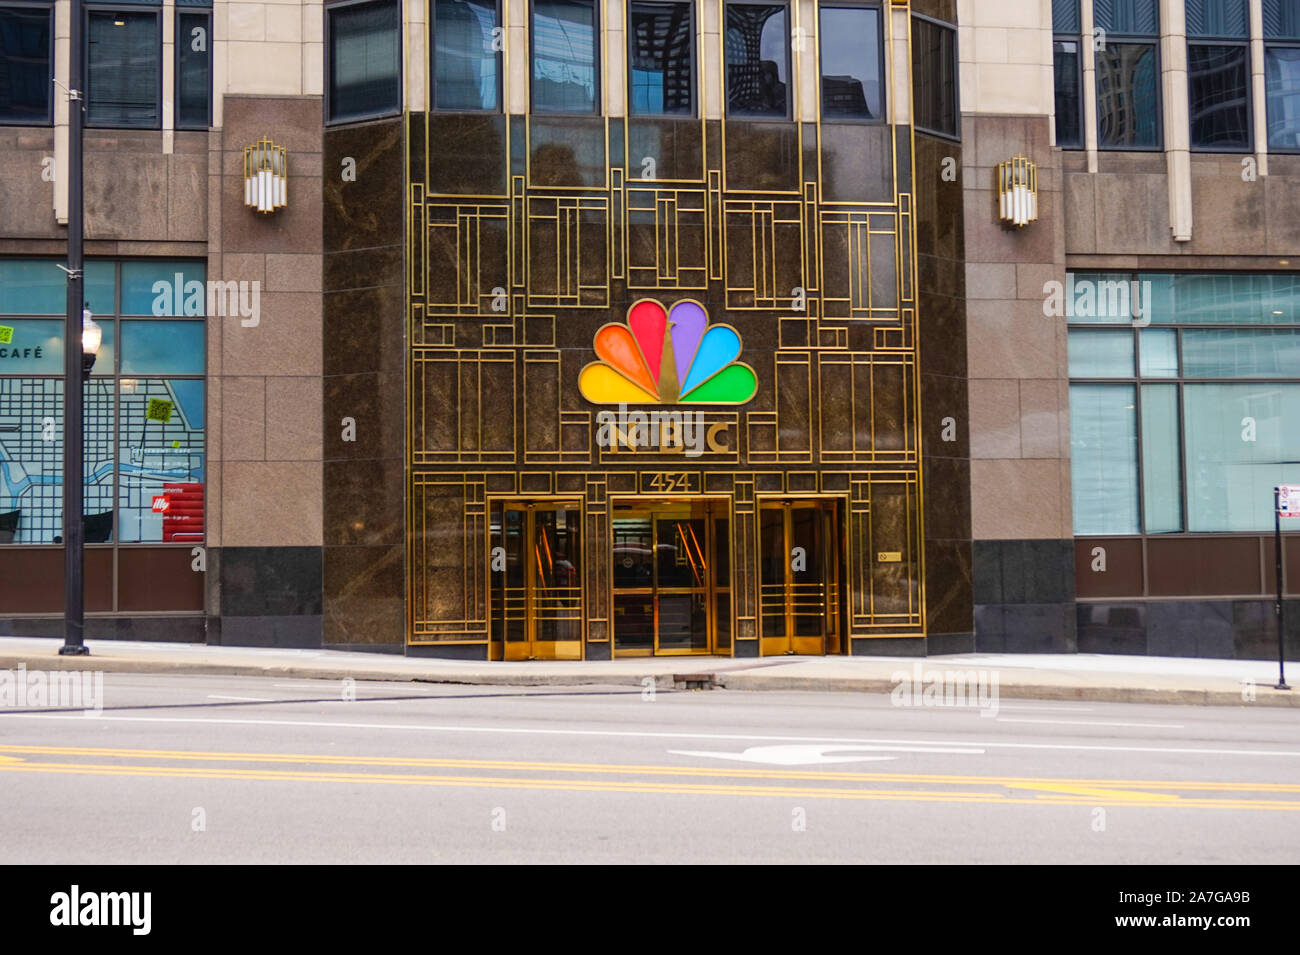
column 582, row 785
column 1104, row 785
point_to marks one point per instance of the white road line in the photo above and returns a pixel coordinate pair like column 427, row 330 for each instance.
column 1051, row 709
column 1013, row 719
column 625, row 734
column 242, row 699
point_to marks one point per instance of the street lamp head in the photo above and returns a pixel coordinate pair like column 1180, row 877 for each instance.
column 92, row 335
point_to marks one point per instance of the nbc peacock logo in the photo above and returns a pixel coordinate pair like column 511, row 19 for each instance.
column 667, row 357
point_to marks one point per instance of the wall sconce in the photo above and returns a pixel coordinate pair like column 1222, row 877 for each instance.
column 266, row 176
column 1018, row 192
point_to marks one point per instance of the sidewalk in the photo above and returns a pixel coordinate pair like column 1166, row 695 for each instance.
column 1096, row 677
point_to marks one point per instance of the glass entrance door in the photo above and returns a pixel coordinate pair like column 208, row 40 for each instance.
column 536, row 596
column 672, row 586
column 799, row 593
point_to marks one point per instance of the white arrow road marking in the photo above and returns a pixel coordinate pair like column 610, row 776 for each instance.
column 807, row 755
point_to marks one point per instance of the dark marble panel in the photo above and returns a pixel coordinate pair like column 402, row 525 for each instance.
column 940, row 200
column 364, row 330
column 857, row 163
column 937, row 644
column 32, row 627
column 1186, row 628
column 942, row 323
column 598, row 651
column 1254, row 630
column 947, row 499
column 363, row 268
column 415, row 146
column 944, row 397
column 364, row 502
column 160, row 629
column 567, row 151
column 374, row 402
column 365, row 600
column 467, row 154
column 451, row 651
column 889, row 647
column 1112, row 628
column 990, row 628
column 949, row 607
column 761, row 155
column 300, row 632
column 746, row 648
column 365, row 210
column 675, row 145
column 270, row 582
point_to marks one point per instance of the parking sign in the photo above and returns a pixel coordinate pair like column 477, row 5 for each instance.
column 1288, row 500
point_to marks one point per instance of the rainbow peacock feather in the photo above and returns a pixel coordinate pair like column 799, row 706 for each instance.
column 672, row 357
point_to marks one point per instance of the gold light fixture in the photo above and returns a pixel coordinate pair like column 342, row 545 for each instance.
column 266, row 176
column 1018, row 192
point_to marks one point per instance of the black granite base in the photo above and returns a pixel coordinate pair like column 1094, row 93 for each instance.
column 450, row 651
column 889, row 647
column 941, row 643
column 1215, row 629
column 291, row 632
column 155, row 629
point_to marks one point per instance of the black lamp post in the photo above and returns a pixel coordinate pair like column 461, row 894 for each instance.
column 77, row 362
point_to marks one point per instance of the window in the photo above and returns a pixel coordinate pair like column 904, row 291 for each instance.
column 758, row 60
column 26, row 46
column 934, row 76
column 852, row 63
column 1282, row 73
column 123, row 69
column 1192, row 399
column 1218, row 74
column 1067, row 70
column 145, row 415
column 564, row 56
column 1128, row 75
column 363, row 48
column 466, row 55
column 193, row 69
column 661, row 59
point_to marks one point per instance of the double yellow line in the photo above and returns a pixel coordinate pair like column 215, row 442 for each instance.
column 870, row 786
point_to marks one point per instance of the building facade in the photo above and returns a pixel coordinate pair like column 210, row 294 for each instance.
column 584, row 329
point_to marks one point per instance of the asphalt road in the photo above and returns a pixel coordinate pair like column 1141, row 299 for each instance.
column 203, row 769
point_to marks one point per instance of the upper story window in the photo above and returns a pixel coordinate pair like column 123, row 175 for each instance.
column 193, row 68
column 661, row 59
column 124, row 68
column 26, row 48
column 1282, row 73
column 758, row 60
column 934, row 76
column 363, row 43
column 1067, row 70
column 1128, row 74
column 565, row 68
column 467, row 45
column 852, row 63
column 1218, row 74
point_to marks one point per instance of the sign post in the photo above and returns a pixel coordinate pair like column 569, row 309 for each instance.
column 1286, row 500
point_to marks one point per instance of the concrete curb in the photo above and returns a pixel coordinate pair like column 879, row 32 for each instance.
column 704, row 679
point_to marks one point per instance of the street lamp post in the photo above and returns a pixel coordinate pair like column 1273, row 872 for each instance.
column 74, row 528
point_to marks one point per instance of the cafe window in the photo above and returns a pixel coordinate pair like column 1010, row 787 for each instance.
column 363, row 49
column 852, row 63
column 758, row 60
column 145, row 457
column 26, row 50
